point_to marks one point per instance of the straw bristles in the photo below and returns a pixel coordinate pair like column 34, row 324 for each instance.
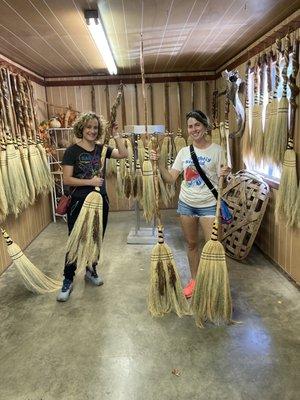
column 36, row 166
column 127, row 181
column 26, row 166
column 294, row 220
column 215, row 135
column 246, row 141
column 270, row 129
column 85, row 251
column 35, row 280
column 211, row 299
column 257, row 133
column 16, row 178
column 3, row 200
column 281, row 131
column 287, row 193
column 6, row 186
column 47, row 176
column 111, row 167
column 179, row 142
column 138, row 183
column 164, row 150
column 141, row 151
column 165, row 293
column 162, row 190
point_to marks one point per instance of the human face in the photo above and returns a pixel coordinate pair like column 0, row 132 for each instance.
column 195, row 129
column 90, row 131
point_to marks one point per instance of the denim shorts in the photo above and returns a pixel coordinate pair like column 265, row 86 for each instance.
column 185, row 209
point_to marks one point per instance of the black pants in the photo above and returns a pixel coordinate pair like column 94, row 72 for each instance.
column 72, row 215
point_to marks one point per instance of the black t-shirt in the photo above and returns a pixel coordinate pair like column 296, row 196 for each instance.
column 86, row 165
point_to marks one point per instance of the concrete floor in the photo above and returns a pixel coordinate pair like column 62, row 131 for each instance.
column 103, row 344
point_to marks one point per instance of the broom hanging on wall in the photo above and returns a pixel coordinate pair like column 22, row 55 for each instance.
column 287, row 193
column 269, row 143
column 256, row 130
column 281, row 129
column 3, row 198
column 247, row 132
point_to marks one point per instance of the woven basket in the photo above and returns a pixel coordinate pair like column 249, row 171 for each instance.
column 247, row 196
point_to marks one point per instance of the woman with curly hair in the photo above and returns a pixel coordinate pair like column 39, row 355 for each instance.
column 81, row 166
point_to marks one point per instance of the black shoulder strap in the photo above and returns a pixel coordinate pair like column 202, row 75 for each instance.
column 202, row 173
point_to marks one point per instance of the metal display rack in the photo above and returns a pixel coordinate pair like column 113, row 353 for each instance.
column 60, row 139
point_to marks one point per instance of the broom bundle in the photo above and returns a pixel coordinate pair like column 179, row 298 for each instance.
column 138, row 183
column 165, row 293
column 271, row 136
column 246, row 149
column 16, row 176
column 127, row 181
column 256, row 129
column 35, row 280
column 22, row 140
column 211, row 300
column 281, row 129
column 287, row 194
column 165, row 146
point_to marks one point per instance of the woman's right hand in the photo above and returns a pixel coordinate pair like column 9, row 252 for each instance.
column 154, row 155
column 96, row 181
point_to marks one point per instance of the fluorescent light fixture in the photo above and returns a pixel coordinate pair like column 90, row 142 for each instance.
column 97, row 31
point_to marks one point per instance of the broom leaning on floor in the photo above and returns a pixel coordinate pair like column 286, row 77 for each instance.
column 211, row 301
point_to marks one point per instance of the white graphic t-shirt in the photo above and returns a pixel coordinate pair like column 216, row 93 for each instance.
column 194, row 190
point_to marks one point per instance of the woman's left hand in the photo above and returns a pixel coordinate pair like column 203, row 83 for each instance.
column 224, row 170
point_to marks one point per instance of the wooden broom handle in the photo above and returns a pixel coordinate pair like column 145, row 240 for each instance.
column 294, row 89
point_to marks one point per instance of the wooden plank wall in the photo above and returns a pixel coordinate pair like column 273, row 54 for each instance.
column 278, row 242
column 35, row 218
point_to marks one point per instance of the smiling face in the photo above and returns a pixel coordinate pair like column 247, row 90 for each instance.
column 90, row 130
column 196, row 129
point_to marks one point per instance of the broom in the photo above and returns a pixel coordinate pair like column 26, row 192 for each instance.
column 35, row 280
column 267, row 132
column 287, row 193
column 270, row 132
column 246, row 149
column 85, row 241
column 211, row 300
column 3, row 178
column 22, row 144
column 295, row 216
column 165, row 292
column 179, row 141
column 127, row 181
column 256, row 130
column 281, row 129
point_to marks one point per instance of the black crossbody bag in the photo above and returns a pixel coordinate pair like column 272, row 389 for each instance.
column 226, row 215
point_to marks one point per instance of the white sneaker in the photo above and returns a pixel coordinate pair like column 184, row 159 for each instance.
column 93, row 277
column 65, row 291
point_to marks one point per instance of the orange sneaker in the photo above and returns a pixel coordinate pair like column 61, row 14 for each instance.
column 188, row 290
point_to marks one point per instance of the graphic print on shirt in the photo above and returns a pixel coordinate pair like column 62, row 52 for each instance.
column 191, row 175
column 88, row 165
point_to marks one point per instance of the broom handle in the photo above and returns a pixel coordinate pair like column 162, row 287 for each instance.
column 5, row 105
column 179, row 105
column 18, row 109
column 294, row 89
column 143, row 87
column 156, row 185
column 24, row 109
column 14, row 127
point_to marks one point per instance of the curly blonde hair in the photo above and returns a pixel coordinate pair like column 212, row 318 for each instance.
column 81, row 121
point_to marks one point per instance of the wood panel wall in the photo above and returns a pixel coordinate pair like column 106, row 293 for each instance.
column 276, row 240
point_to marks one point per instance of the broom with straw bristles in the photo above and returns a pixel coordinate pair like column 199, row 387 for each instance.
column 141, row 150
column 211, row 300
column 246, row 141
column 22, row 140
column 16, row 176
column 287, row 193
column 179, row 141
column 46, row 173
column 35, row 280
column 269, row 149
column 127, row 181
column 85, row 241
column 138, row 183
column 281, row 129
column 295, row 216
column 35, row 160
column 256, row 130
column 165, row 293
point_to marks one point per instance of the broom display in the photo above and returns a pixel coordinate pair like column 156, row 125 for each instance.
column 287, row 193
column 16, row 176
column 165, row 293
column 85, row 241
column 211, row 300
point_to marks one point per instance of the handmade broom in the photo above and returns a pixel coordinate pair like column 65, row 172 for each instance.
column 287, row 193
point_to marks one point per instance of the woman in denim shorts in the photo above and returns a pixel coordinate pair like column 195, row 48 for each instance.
column 196, row 204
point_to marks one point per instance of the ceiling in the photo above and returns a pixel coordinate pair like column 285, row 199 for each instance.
column 50, row 37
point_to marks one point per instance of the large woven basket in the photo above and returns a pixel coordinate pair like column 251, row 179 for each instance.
column 247, row 196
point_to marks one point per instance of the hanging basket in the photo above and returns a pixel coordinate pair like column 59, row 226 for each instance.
column 247, row 196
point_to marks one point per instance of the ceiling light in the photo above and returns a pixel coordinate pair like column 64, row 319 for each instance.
column 98, row 33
